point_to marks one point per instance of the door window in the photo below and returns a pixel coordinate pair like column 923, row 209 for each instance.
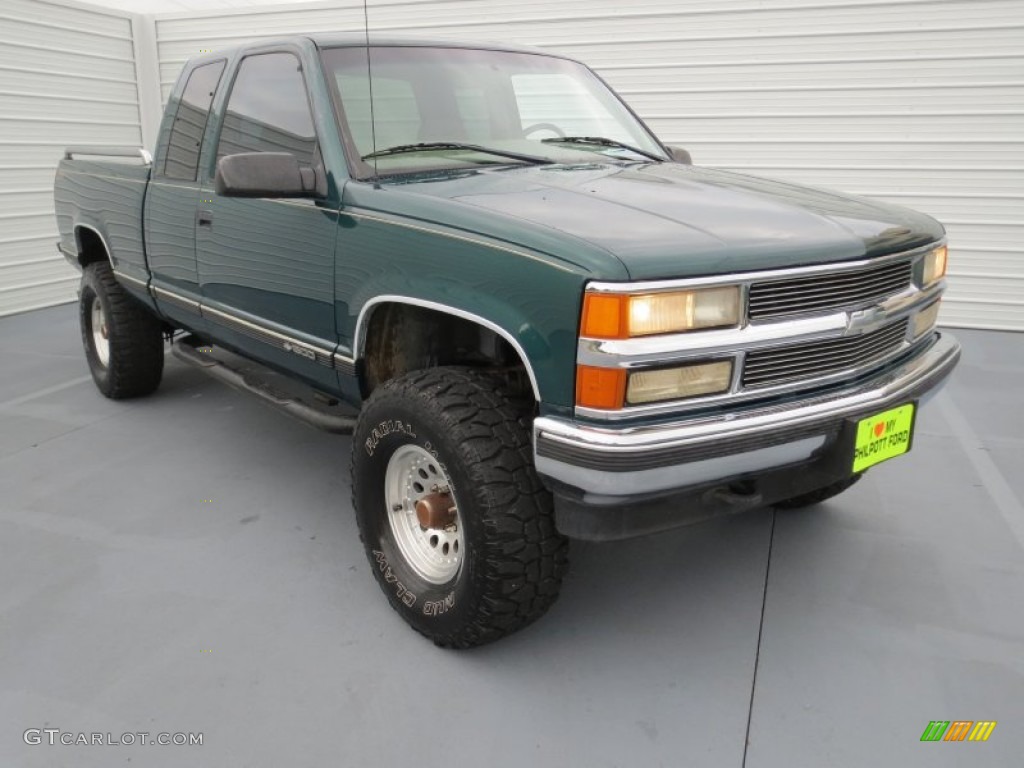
column 268, row 110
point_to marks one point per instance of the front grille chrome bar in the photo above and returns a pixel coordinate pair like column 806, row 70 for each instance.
column 819, row 358
column 793, row 296
column 805, row 328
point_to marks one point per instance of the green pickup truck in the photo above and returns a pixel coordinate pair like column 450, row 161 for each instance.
column 538, row 321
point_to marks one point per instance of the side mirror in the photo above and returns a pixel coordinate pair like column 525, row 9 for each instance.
column 263, row 174
column 680, row 155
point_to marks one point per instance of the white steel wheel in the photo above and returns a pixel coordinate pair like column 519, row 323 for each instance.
column 505, row 559
column 100, row 331
column 423, row 514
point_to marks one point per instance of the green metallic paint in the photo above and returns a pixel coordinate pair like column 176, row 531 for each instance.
column 169, row 215
column 511, row 244
column 665, row 220
column 106, row 198
column 515, row 245
column 274, row 260
column 533, row 297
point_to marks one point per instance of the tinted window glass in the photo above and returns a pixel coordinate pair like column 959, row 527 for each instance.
column 186, row 135
column 403, row 125
column 553, row 98
column 516, row 102
column 268, row 110
column 471, row 101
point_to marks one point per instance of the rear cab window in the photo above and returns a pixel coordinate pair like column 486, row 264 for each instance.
column 181, row 160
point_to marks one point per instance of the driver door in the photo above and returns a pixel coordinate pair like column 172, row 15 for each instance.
column 266, row 266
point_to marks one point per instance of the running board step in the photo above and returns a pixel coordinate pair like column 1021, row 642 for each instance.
column 275, row 388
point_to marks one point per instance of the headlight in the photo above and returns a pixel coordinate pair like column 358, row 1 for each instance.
column 618, row 316
column 613, row 388
column 934, row 266
column 678, row 383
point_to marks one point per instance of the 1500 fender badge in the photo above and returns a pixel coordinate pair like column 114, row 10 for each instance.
column 309, row 354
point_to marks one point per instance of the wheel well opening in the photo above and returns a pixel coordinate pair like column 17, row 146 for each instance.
column 90, row 247
column 401, row 338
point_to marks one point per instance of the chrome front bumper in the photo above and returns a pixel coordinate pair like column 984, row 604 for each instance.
column 613, row 465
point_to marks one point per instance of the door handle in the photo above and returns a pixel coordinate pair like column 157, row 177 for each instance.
column 204, row 218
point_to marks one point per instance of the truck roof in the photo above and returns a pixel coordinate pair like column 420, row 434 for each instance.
column 359, row 39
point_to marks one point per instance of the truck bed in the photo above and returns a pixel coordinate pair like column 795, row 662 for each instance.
column 105, row 196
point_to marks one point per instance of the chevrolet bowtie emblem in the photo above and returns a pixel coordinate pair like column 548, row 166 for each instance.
column 865, row 320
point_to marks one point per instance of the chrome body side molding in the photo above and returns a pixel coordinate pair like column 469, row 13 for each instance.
column 273, row 337
column 142, row 285
column 263, row 332
column 171, row 297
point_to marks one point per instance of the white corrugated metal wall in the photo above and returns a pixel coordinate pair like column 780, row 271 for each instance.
column 67, row 76
column 920, row 102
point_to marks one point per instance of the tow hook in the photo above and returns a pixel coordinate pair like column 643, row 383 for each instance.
column 736, row 497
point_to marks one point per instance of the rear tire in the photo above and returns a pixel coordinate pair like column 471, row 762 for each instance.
column 123, row 341
column 818, row 496
column 495, row 563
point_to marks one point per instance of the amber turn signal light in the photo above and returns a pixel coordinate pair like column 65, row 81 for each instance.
column 603, row 388
column 604, row 316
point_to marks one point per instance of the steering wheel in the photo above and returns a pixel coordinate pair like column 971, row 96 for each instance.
column 543, row 127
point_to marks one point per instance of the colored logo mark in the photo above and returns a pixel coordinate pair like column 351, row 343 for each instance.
column 958, row 730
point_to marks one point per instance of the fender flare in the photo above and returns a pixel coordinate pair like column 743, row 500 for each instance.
column 367, row 310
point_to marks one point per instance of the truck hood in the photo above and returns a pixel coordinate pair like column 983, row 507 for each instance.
column 668, row 220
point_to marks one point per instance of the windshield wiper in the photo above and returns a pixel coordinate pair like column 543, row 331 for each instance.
column 601, row 141
column 426, row 146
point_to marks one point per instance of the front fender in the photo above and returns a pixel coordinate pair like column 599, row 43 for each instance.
column 533, row 304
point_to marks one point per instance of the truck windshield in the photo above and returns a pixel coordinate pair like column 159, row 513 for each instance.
column 431, row 106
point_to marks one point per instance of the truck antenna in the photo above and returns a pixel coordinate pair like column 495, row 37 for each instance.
column 369, row 82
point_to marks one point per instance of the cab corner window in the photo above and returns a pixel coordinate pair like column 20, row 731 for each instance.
column 186, row 136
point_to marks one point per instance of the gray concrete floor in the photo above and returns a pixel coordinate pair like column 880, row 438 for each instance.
column 189, row 562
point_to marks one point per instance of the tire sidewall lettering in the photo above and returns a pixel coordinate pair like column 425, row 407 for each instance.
column 513, row 559
column 385, row 428
column 402, row 592
column 436, row 604
column 439, row 607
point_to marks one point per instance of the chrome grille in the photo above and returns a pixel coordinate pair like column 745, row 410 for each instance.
column 777, row 365
column 833, row 290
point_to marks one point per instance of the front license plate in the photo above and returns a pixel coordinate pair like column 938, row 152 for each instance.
column 883, row 436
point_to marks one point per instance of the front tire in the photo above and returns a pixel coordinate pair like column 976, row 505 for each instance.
column 458, row 529
column 123, row 342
